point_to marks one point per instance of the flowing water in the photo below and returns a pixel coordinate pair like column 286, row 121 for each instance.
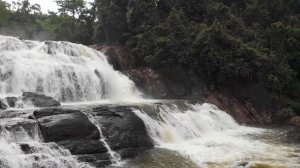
column 65, row 71
column 13, row 137
column 115, row 157
column 211, row 138
column 185, row 135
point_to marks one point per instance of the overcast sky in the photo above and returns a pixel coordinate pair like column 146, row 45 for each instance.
column 45, row 4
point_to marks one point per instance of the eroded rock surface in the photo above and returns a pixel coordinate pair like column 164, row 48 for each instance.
column 71, row 128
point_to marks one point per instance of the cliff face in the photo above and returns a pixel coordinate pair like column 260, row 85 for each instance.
column 248, row 105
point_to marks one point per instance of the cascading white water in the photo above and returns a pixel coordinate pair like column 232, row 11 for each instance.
column 46, row 155
column 66, row 71
column 210, row 137
column 174, row 125
column 73, row 73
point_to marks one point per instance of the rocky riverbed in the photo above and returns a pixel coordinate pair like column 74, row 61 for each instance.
column 137, row 139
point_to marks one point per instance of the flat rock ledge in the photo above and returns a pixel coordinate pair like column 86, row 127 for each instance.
column 31, row 99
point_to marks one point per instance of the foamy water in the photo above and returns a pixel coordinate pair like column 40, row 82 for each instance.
column 65, row 71
column 211, row 138
column 81, row 77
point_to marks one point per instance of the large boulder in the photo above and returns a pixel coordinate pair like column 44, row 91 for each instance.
column 39, row 100
column 122, row 128
column 61, row 125
column 75, row 130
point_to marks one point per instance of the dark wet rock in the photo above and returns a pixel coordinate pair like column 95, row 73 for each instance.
column 293, row 135
column 93, row 157
column 77, row 147
column 71, row 128
column 26, row 148
column 67, row 125
column 122, row 128
column 3, row 106
column 149, row 81
column 244, row 105
column 242, row 164
column 11, row 101
column 53, row 111
column 39, row 100
column 120, row 57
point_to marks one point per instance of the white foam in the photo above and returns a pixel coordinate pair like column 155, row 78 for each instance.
column 63, row 70
column 48, row 155
column 210, row 137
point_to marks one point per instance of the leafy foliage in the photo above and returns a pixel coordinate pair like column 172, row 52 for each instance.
column 74, row 22
column 226, row 42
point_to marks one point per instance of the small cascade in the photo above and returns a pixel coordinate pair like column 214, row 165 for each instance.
column 203, row 133
column 169, row 123
column 114, row 156
column 23, row 148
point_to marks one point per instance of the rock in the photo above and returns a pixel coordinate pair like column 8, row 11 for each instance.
column 26, row 148
column 11, row 101
column 77, row 147
column 295, row 121
column 151, row 82
column 122, row 128
column 93, row 157
column 66, row 125
column 293, row 135
column 243, row 111
column 3, row 106
column 39, row 100
column 118, row 56
column 53, row 111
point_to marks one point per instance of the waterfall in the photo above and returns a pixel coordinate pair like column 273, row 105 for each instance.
column 202, row 133
column 172, row 124
column 115, row 157
column 23, row 148
column 66, row 71
column 80, row 76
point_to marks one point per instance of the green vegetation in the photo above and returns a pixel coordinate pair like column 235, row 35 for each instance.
column 73, row 22
column 226, row 42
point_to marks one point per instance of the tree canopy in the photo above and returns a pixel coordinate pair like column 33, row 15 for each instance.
column 226, row 42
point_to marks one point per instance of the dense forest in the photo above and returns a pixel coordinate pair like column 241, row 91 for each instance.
column 226, row 42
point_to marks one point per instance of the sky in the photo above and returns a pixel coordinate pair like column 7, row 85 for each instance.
column 45, row 4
